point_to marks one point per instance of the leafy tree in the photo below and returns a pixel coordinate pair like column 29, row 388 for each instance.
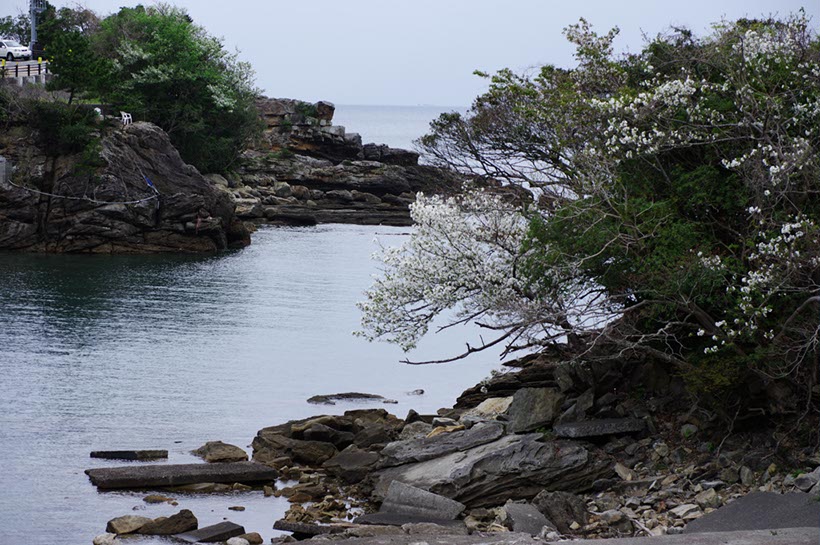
column 18, row 28
column 166, row 70
column 677, row 214
column 76, row 67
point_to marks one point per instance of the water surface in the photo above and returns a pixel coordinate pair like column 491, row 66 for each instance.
column 110, row 352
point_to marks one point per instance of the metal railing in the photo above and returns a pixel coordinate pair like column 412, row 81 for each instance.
column 17, row 71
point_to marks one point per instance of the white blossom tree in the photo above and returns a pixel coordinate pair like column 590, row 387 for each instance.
column 677, row 212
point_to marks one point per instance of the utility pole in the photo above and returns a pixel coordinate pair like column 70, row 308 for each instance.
column 35, row 7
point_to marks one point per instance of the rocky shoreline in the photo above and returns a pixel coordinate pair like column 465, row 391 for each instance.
column 545, row 463
column 136, row 195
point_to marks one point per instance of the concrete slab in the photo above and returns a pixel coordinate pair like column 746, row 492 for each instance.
column 211, row 534
column 148, row 476
column 502, row 538
column 130, row 454
column 761, row 511
column 786, row 536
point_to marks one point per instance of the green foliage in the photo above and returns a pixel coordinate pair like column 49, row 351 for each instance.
column 62, row 129
column 18, row 28
column 166, row 70
column 676, row 194
column 76, row 66
column 306, row 109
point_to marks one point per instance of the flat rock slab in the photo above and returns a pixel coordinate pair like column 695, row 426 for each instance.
column 147, row 476
column 786, row 536
column 331, row 399
column 597, row 428
column 404, row 499
column 761, row 511
column 130, row 454
column 308, row 529
column 427, row 448
column 211, row 534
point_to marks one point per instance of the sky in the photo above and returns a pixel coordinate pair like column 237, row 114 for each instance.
column 424, row 52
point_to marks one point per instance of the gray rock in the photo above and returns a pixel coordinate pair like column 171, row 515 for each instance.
column 415, row 430
column 73, row 224
column 352, row 464
column 104, row 539
column 398, row 519
column 806, row 481
column 130, row 454
column 562, row 508
column 212, row 534
column 512, row 467
column 427, row 448
column 326, row 434
column 761, row 511
column 404, row 499
column 433, row 529
column 183, row 521
column 499, row 538
column 126, row 524
column 597, row 428
column 305, row 529
column 747, row 476
column 525, row 518
column 331, row 399
column 219, row 452
column 237, row 541
column 533, row 408
column 148, row 476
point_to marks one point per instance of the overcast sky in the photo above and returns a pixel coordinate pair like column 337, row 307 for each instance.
column 391, row 52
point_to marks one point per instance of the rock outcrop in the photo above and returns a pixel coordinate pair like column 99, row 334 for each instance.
column 305, row 170
column 60, row 204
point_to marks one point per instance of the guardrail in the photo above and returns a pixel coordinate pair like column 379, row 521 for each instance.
column 26, row 70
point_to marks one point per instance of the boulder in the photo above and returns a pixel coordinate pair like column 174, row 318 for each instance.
column 511, row 467
column 217, row 451
column 352, row 464
column 415, row 430
column 104, row 539
column 404, row 499
column 533, row 408
column 126, row 524
column 525, row 518
column 183, row 521
column 562, row 509
column 326, row 434
column 214, row 533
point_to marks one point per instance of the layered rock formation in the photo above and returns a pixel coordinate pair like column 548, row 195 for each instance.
column 305, row 170
column 55, row 204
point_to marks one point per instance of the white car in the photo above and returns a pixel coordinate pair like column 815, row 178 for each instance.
column 12, row 50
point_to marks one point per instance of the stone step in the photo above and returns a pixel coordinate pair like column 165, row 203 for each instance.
column 147, row 476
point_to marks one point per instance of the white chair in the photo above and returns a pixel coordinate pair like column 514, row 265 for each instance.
column 125, row 118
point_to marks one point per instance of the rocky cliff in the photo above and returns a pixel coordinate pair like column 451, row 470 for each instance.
column 107, row 204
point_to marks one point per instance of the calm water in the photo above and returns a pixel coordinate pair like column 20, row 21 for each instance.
column 396, row 126
column 102, row 352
